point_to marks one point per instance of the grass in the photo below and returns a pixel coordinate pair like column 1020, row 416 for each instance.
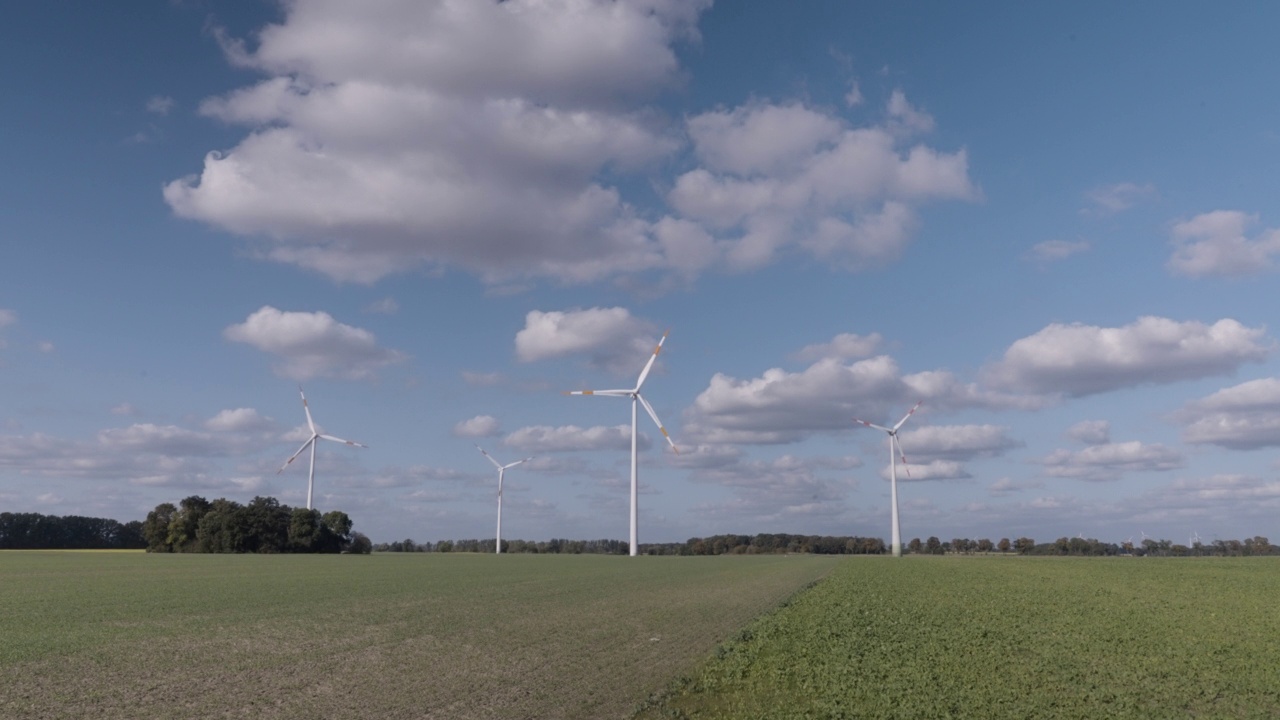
column 130, row 635
column 1006, row 638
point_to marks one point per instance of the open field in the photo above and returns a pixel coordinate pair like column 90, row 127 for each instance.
column 130, row 635
column 1008, row 637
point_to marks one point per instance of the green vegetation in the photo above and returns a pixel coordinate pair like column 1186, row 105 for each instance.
column 263, row 526
column 134, row 635
column 1011, row 637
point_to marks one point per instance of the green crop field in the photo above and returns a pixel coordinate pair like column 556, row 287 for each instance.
column 130, row 635
column 996, row 637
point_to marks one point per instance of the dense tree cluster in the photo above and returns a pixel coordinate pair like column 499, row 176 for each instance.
column 262, row 526
column 33, row 531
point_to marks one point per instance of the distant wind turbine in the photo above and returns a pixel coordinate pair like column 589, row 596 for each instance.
column 502, row 469
column 636, row 397
column 315, row 435
column 893, row 471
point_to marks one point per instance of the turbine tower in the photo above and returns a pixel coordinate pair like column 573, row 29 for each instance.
column 893, row 472
column 315, row 435
column 636, row 397
column 502, row 469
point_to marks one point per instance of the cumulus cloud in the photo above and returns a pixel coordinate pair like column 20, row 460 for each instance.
column 1054, row 250
column 932, row 470
column 478, row 426
column 611, row 338
column 1108, row 461
column 1078, row 360
column 776, row 175
column 313, row 344
column 1091, row 432
column 1242, row 417
column 238, row 420
column 571, row 438
column 957, row 442
column 1214, row 243
column 471, row 133
column 845, row 345
column 1111, row 199
column 783, row 407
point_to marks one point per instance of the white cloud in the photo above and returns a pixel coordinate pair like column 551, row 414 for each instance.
column 774, row 175
column 956, row 442
column 1078, row 360
column 1111, row 199
column 907, row 118
column 45, row 346
column 783, row 407
column 7, row 317
column 1091, row 432
column 932, row 470
column 313, row 344
column 1108, row 461
column 160, row 104
column 238, row 420
column 847, row 346
column 611, row 338
column 385, row 306
column 1214, row 243
column 1243, row 417
column 478, row 426
column 1006, row 486
column 469, row 133
column 1054, row 250
column 125, row 409
column 571, row 438
column 853, row 98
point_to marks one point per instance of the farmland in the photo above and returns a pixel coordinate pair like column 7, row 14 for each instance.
column 1010, row 637
column 130, row 635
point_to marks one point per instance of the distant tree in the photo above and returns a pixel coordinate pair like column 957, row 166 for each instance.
column 155, row 529
column 267, row 525
column 360, row 544
column 184, row 523
column 1024, row 545
column 915, row 545
column 985, row 546
column 304, row 530
column 933, row 545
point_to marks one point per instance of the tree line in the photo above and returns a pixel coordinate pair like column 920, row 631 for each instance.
column 764, row 543
column 196, row 525
column 779, row 543
column 33, row 531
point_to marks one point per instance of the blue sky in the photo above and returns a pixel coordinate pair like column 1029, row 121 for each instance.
column 1055, row 225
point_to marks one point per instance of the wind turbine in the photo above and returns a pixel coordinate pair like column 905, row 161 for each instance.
column 502, row 469
column 893, row 471
column 636, row 397
column 315, row 435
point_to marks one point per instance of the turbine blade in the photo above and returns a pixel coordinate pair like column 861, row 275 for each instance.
column 307, row 410
column 872, row 425
column 909, row 413
column 649, row 365
column 649, row 409
column 295, row 455
column 338, row 439
column 490, row 457
column 611, row 393
column 901, row 454
column 518, row 462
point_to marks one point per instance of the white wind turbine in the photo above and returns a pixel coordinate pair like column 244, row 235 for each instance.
column 636, row 397
column 893, row 472
column 315, row 435
column 502, row 469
